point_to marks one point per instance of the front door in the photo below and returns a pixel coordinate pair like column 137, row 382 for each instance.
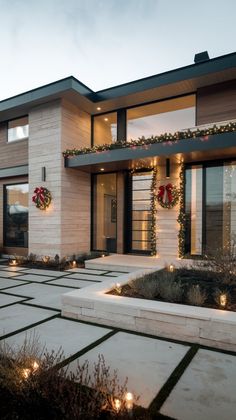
column 139, row 216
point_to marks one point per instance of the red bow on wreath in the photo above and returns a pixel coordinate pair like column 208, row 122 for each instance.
column 168, row 196
column 165, row 189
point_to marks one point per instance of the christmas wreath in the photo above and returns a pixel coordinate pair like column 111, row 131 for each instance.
column 168, row 196
column 42, row 198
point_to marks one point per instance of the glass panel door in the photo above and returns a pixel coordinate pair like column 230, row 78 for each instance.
column 104, row 212
column 140, row 212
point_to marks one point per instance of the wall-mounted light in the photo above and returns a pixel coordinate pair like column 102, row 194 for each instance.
column 167, row 168
column 43, row 173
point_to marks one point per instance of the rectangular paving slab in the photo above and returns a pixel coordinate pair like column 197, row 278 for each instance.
column 72, row 282
column 34, row 277
column 8, row 274
column 12, row 268
column 12, row 318
column 8, row 300
column 42, row 294
column 147, row 362
column 60, row 333
column 206, row 390
column 6, row 283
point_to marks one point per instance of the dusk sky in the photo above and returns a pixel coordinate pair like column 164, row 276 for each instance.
column 107, row 42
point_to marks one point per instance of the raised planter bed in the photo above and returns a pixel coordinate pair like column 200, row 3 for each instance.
column 210, row 327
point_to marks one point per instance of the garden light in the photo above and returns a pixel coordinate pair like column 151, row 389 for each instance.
column 74, row 263
column 171, row 268
column 118, row 288
column 26, row 373
column 223, row 300
column 35, row 366
column 129, row 398
column 117, row 404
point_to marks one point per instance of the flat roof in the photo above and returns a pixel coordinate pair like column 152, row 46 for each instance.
column 176, row 82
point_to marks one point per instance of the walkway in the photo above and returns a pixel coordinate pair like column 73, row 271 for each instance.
column 180, row 380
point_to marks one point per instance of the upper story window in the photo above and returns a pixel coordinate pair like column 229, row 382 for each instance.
column 18, row 129
column 105, row 129
column 161, row 117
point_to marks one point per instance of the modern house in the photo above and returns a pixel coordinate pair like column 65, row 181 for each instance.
column 119, row 182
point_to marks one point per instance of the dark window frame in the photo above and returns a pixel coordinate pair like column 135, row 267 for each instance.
column 5, row 214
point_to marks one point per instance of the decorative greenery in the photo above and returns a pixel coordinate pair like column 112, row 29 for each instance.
column 145, row 142
column 42, row 198
column 182, row 216
column 154, row 213
column 168, row 196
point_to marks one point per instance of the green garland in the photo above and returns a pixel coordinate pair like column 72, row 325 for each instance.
column 182, row 216
column 154, row 212
column 145, row 142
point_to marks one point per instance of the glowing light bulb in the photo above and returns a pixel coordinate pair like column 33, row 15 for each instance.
column 223, row 300
column 35, row 365
column 171, row 268
column 129, row 400
column 117, row 404
column 25, row 373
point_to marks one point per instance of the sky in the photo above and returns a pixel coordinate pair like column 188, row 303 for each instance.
column 104, row 43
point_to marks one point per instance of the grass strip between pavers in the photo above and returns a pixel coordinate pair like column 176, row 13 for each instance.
column 35, row 324
column 173, row 379
column 85, row 349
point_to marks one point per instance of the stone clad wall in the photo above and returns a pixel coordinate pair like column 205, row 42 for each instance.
column 167, row 225
column 64, row 228
column 76, row 185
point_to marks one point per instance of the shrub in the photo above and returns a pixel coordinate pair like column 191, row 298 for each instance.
column 146, row 286
column 196, row 296
column 35, row 385
column 169, row 288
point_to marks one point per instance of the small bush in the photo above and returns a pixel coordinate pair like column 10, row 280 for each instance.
column 35, row 385
column 169, row 288
column 146, row 286
column 196, row 296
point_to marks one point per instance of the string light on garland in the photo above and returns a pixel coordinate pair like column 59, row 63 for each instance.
column 154, row 213
column 144, row 142
column 182, row 216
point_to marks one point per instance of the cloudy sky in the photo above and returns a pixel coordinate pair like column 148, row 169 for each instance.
column 107, row 42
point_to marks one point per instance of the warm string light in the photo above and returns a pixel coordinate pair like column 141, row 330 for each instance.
column 154, row 212
column 145, row 142
column 182, row 217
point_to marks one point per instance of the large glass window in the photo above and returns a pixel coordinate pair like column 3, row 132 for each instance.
column 141, row 217
column 105, row 129
column 16, row 215
column 210, row 207
column 161, row 117
column 104, row 212
column 18, row 129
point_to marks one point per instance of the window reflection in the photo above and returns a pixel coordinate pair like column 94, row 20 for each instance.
column 18, row 129
column 104, row 212
column 16, row 215
column 161, row 117
column 105, row 128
